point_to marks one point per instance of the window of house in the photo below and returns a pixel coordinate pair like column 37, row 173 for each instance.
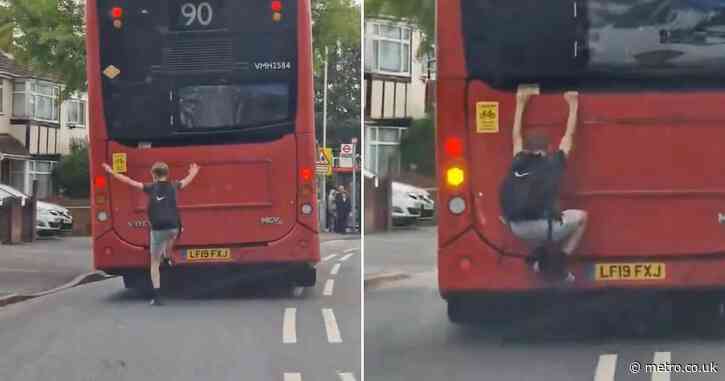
column 42, row 171
column 388, row 45
column 76, row 112
column 382, row 149
column 36, row 100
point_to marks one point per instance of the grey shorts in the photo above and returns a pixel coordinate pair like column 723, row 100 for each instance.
column 159, row 239
column 536, row 232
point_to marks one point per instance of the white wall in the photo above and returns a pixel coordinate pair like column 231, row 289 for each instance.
column 6, row 106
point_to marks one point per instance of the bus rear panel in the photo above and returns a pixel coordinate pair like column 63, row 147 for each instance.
column 226, row 85
column 646, row 164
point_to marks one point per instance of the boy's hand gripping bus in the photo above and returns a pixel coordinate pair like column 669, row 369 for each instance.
column 227, row 85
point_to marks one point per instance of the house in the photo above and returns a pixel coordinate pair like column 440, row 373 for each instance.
column 397, row 89
column 35, row 129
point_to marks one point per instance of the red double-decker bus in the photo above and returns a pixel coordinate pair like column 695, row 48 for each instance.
column 227, row 85
column 647, row 164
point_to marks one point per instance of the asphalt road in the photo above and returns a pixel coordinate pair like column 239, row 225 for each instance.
column 100, row 331
column 408, row 336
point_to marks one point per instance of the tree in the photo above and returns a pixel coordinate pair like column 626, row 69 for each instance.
column 419, row 12
column 48, row 36
column 71, row 174
column 336, row 25
column 417, row 148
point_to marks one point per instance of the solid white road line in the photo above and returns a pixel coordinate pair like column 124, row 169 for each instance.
column 346, row 257
column 606, row 367
column 297, row 291
column 289, row 326
column 328, row 287
column 292, row 377
column 335, row 269
column 333, row 333
column 327, row 258
column 661, row 358
column 346, row 376
column 350, row 251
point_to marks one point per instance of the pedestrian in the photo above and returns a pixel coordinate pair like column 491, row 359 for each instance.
column 342, row 207
column 331, row 210
column 163, row 214
column 530, row 193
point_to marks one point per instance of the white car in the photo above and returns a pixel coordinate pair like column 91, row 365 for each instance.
column 407, row 206
column 429, row 204
column 50, row 218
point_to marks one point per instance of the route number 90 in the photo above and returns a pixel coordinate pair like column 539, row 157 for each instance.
column 202, row 13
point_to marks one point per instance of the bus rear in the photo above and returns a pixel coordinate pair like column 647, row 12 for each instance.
column 227, row 85
column 647, row 164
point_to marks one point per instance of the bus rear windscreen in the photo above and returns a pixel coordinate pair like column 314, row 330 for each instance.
column 176, row 67
column 224, row 106
column 594, row 39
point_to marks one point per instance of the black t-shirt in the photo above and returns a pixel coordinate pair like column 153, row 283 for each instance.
column 162, row 209
column 550, row 171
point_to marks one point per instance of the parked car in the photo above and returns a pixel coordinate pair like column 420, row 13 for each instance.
column 407, row 206
column 50, row 218
column 428, row 203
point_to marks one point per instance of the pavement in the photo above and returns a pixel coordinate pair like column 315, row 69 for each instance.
column 100, row 331
column 408, row 335
column 44, row 264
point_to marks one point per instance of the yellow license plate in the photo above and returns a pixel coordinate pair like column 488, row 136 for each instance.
column 200, row 255
column 630, row 271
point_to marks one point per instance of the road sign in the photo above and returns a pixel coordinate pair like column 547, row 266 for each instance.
column 347, row 153
column 346, row 149
column 323, row 166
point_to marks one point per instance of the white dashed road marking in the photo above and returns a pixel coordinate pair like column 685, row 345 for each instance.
column 606, row 367
column 335, row 269
column 292, row 377
column 661, row 358
column 344, row 376
column 329, row 257
column 350, row 251
column 346, row 257
column 328, row 287
column 289, row 326
column 333, row 333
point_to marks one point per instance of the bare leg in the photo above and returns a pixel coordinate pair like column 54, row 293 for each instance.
column 572, row 242
column 169, row 248
column 155, row 274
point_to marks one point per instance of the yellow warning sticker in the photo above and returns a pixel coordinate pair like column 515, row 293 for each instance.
column 119, row 162
column 487, row 117
column 111, row 72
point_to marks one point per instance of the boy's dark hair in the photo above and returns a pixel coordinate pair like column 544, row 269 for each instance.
column 160, row 169
column 536, row 140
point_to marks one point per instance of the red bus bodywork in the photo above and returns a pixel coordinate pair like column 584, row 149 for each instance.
column 239, row 185
column 647, row 167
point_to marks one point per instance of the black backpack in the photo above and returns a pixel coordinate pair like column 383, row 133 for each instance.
column 162, row 210
column 530, row 190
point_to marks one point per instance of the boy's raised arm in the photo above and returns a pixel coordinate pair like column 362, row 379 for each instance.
column 193, row 171
column 122, row 178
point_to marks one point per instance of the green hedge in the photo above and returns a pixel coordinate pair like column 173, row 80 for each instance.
column 70, row 176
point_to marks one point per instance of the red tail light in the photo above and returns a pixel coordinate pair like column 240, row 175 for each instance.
column 276, row 6
column 306, row 174
column 100, row 182
column 454, row 147
column 117, row 12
